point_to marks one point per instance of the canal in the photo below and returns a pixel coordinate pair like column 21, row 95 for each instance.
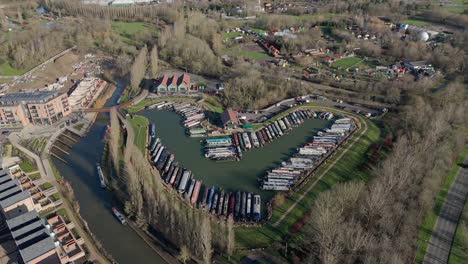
column 230, row 175
column 120, row 241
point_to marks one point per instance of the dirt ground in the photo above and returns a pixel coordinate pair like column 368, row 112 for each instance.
column 72, row 65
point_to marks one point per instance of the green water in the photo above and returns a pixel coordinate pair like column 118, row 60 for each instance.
column 230, row 175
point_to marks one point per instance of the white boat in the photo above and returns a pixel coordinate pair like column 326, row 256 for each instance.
column 119, row 216
column 101, row 176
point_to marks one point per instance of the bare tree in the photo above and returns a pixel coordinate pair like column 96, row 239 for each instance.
column 184, row 254
column 154, row 60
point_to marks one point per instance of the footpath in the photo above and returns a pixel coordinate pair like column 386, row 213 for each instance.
column 441, row 241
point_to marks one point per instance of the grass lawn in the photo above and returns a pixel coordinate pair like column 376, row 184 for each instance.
column 140, row 126
column 231, row 35
column 347, row 63
column 128, row 30
column 47, row 185
column 430, row 219
column 251, row 55
column 35, row 176
column 416, row 22
column 344, row 170
column 55, row 197
column 459, row 253
column 78, row 127
column 28, row 166
column 7, row 70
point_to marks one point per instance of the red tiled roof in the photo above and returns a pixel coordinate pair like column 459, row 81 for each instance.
column 229, row 115
column 185, row 79
column 173, row 80
column 164, row 80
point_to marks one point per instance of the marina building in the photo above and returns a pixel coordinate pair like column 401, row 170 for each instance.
column 174, row 84
column 38, row 108
column 229, row 119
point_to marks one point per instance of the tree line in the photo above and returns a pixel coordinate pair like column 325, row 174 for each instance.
column 132, row 13
column 378, row 222
column 150, row 203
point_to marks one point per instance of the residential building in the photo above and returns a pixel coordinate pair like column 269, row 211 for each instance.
column 68, row 250
column 85, row 92
column 33, row 238
column 38, row 107
column 14, row 200
column 174, row 84
column 229, row 119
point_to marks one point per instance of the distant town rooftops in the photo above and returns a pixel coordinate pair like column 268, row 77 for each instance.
column 31, row 236
column 27, row 97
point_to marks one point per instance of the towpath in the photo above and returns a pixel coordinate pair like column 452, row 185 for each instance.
column 441, row 241
column 349, row 146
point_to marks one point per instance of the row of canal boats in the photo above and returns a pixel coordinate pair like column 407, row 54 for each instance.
column 242, row 206
column 308, row 156
column 231, row 147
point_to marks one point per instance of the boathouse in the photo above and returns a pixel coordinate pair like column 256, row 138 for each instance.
column 229, row 119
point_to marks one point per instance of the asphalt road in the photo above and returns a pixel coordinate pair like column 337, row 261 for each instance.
column 444, row 232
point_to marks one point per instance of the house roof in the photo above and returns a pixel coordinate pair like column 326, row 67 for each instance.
column 185, row 80
column 173, row 81
column 163, row 80
column 27, row 97
column 31, row 235
column 229, row 115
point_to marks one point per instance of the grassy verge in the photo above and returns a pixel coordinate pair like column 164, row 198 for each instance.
column 27, row 166
column 35, row 176
column 430, row 219
column 78, row 127
column 346, row 169
column 140, row 126
column 149, row 101
column 459, row 252
column 57, row 174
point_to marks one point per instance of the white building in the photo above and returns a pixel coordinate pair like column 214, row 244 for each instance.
column 86, row 92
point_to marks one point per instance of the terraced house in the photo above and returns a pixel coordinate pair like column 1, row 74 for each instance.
column 174, row 84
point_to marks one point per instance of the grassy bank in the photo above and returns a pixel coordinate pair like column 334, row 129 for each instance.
column 346, row 169
column 459, row 253
column 430, row 219
column 140, row 126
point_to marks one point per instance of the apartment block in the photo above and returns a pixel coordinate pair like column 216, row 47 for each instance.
column 38, row 108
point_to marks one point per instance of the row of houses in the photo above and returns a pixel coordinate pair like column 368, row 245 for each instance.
column 32, row 239
column 173, row 84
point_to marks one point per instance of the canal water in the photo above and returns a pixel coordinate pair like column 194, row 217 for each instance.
column 120, row 241
column 230, row 175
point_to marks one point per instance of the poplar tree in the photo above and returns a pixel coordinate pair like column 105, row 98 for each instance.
column 154, row 62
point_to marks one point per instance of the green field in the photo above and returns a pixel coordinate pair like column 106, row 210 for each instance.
column 128, row 30
column 347, row 63
column 251, row 55
column 344, row 170
column 459, row 253
column 7, row 70
column 416, row 22
column 140, row 126
column 456, row 9
column 430, row 219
